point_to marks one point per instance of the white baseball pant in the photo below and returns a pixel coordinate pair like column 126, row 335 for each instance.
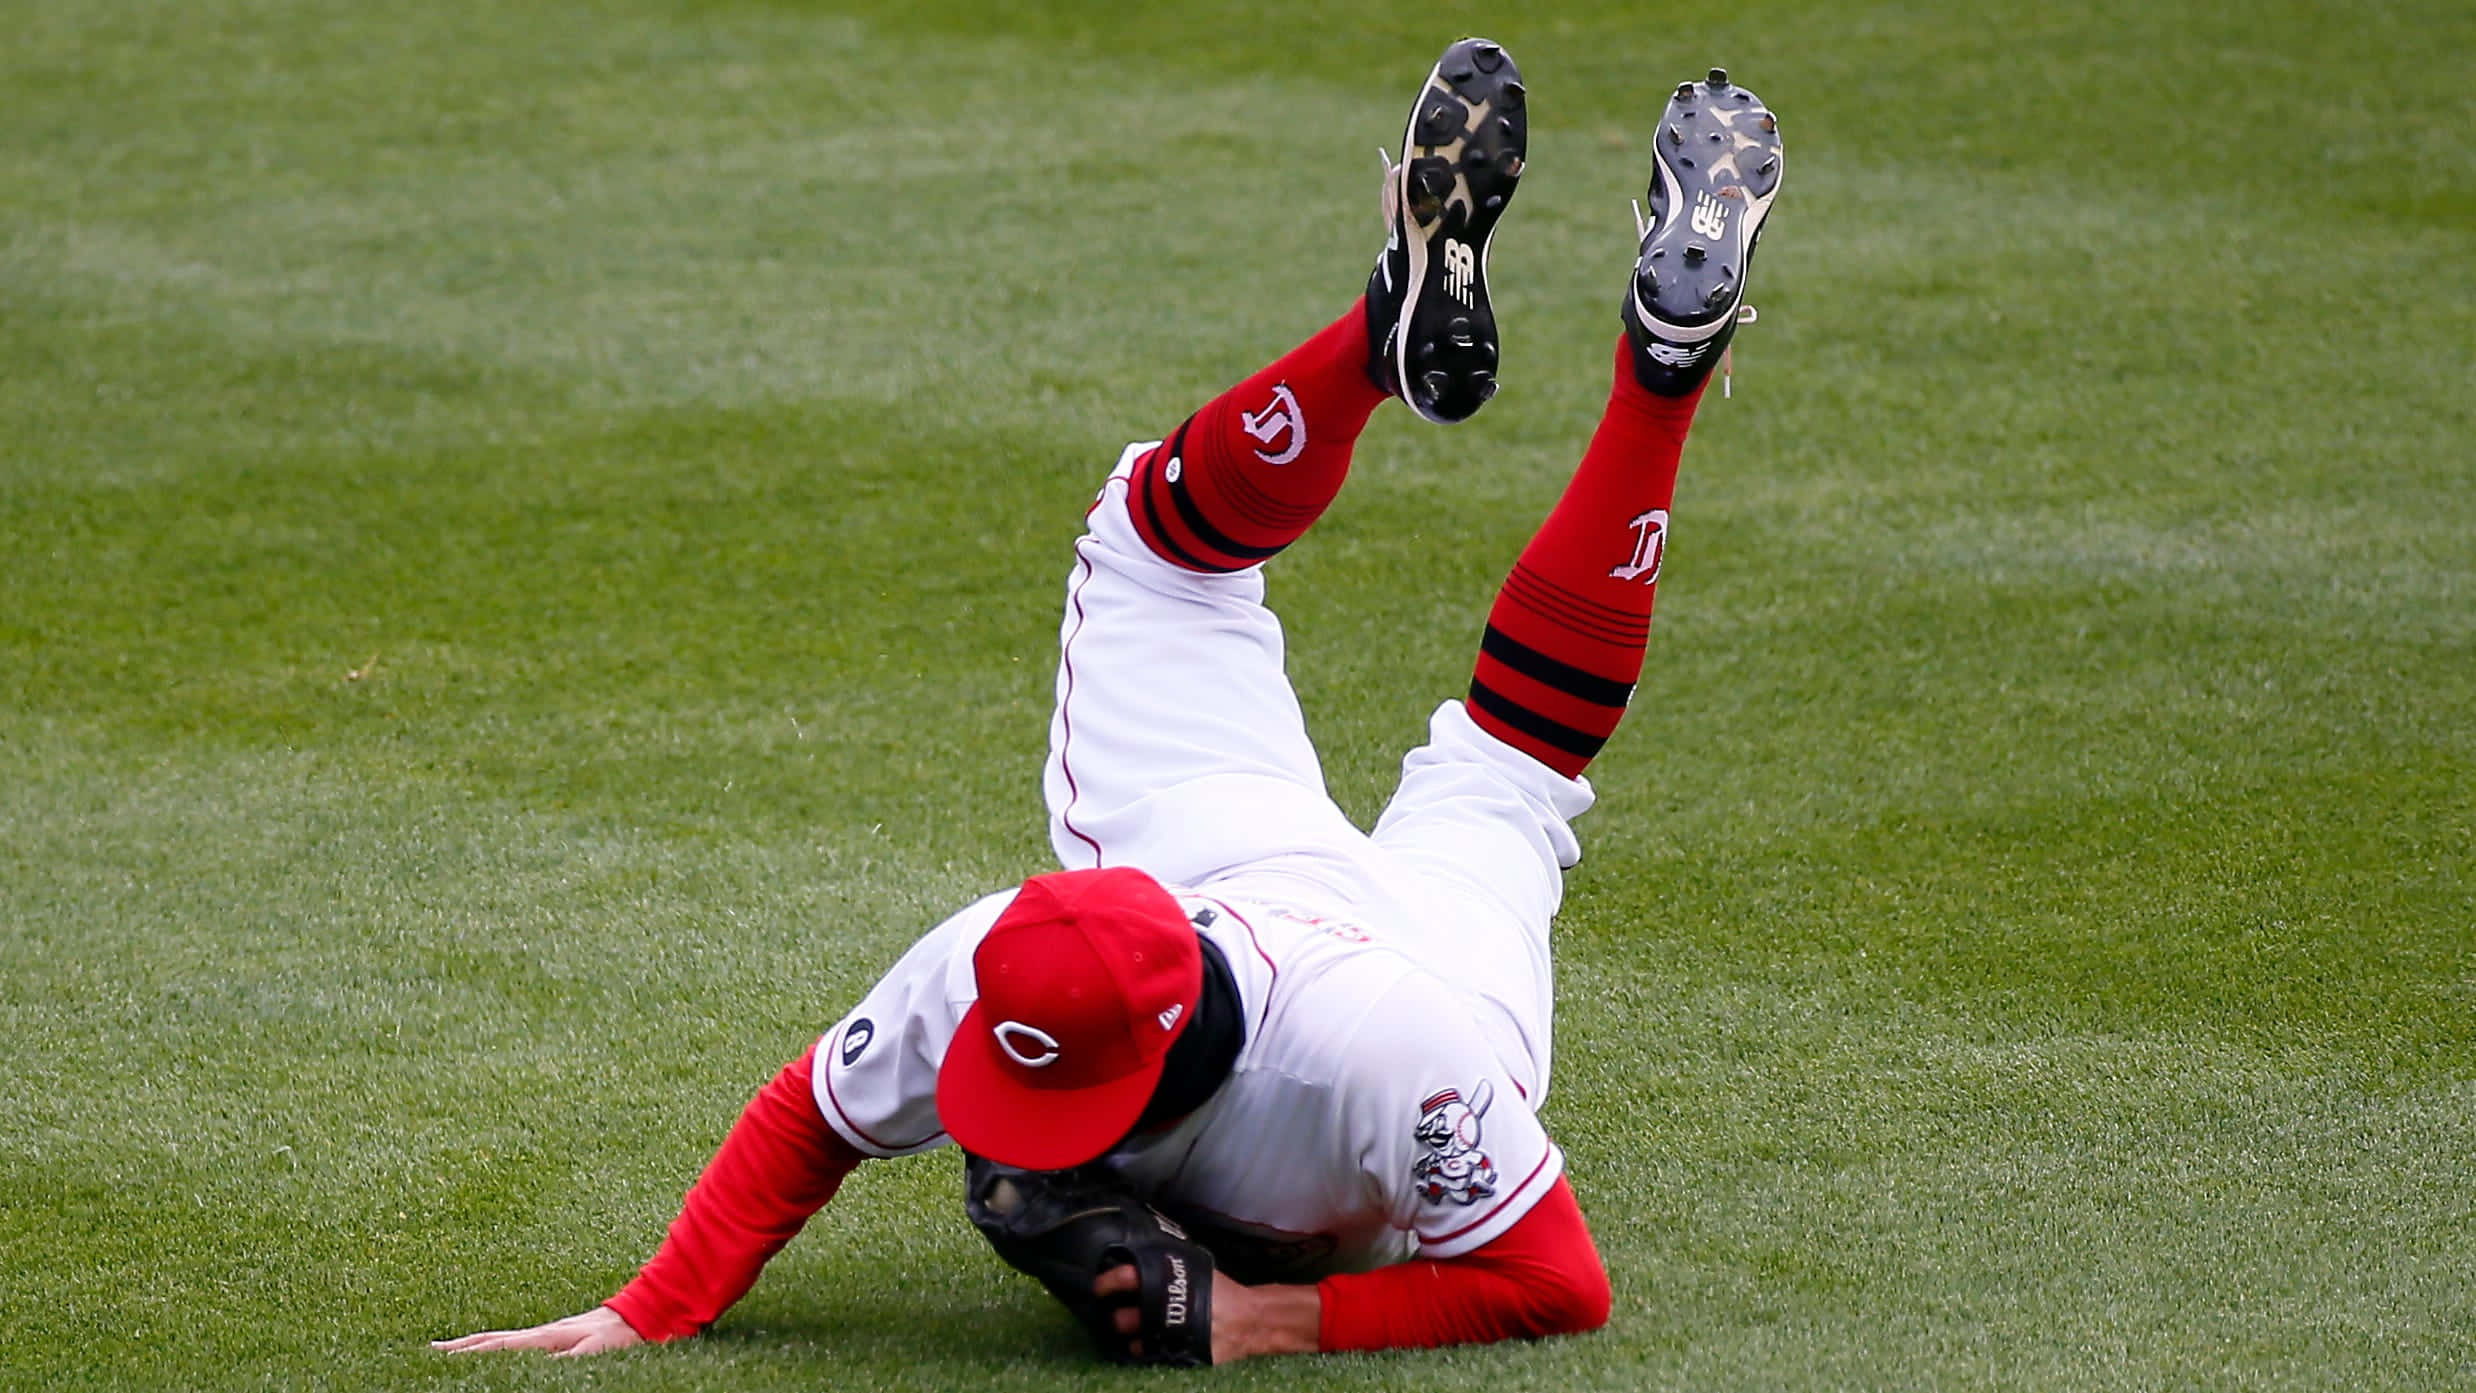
column 1177, row 746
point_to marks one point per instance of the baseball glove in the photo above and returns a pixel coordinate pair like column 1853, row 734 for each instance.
column 1067, row 1227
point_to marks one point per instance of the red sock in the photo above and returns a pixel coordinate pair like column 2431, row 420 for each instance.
column 1245, row 476
column 1564, row 640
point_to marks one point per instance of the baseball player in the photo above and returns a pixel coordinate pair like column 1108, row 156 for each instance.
column 1241, row 1079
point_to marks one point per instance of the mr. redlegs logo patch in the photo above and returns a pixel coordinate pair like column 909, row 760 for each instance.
column 1452, row 1167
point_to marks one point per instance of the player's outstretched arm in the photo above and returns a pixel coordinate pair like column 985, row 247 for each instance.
column 780, row 1164
column 597, row 1331
column 1541, row 1277
column 1246, row 1321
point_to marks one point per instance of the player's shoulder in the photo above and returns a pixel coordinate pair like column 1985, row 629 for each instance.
column 938, row 965
column 1282, row 954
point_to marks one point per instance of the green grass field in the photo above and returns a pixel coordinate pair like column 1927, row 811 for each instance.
column 529, row 544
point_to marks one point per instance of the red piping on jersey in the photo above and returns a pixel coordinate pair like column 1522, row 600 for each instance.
column 1510, row 1196
column 1065, row 704
column 1275, row 970
column 1252, row 941
column 1258, row 945
column 890, row 1148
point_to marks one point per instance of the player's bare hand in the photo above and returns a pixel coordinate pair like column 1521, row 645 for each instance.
column 1246, row 1320
column 1122, row 1281
column 597, row 1331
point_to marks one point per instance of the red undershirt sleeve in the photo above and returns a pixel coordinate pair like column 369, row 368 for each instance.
column 1540, row 1277
column 779, row 1165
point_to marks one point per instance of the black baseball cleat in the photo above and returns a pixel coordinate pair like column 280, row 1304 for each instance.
column 1715, row 169
column 1431, row 333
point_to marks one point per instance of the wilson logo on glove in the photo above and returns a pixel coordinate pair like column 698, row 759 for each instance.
column 1173, row 1309
column 1065, row 1228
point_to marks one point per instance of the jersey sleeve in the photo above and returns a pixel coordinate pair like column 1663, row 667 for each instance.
column 778, row 1166
column 1445, row 1133
column 876, row 1075
column 1540, row 1277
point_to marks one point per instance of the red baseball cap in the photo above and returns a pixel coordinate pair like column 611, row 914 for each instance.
column 1086, row 979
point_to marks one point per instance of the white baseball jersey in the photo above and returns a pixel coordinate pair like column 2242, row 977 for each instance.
column 1366, row 1117
column 1397, row 984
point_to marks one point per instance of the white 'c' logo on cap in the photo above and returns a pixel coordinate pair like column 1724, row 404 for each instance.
column 1007, row 1031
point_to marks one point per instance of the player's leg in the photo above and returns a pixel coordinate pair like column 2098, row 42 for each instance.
column 1176, row 743
column 1484, row 809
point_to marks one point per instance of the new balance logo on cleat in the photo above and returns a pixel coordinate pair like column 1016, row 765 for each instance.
column 1676, row 355
column 1710, row 215
column 1460, row 270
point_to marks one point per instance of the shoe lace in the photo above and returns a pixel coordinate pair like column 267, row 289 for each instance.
column 1746, row 314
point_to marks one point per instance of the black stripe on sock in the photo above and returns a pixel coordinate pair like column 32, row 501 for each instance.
column 1553, row 734
column 1208, row 534
column 1176, row 448
column 1160, row 534
column 1548, row 600
column 1249, row 498
column 1563, row 676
